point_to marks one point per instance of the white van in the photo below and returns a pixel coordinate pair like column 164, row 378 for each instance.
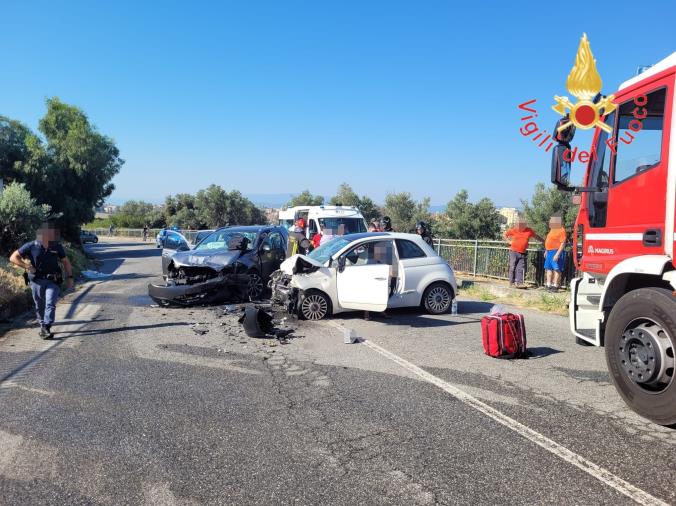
column 341, row 220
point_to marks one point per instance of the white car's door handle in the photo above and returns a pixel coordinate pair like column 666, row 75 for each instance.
column 380, row 279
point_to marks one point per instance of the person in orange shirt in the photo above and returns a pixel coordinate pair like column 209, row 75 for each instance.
column 518, row 238
column 555, row 256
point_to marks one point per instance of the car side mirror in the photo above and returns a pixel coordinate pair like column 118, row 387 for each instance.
column 560, row 168
column 341, row 264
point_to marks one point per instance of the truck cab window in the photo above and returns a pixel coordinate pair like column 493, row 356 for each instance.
column 638, row 136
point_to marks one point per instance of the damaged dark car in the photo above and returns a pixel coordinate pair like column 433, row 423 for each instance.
column 230, row 264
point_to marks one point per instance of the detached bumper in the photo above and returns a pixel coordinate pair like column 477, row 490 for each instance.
column 213, row 290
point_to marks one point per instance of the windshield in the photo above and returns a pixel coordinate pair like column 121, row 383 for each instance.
column 227, row 239
column 342, row 226
column 327, row 250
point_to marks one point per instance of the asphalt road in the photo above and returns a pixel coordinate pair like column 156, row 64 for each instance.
column 133, row 406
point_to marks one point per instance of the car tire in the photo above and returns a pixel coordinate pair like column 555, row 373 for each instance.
column 437, row 298
column 96, row 240
column 314, row 305
column 640, row 342
column 256, row 287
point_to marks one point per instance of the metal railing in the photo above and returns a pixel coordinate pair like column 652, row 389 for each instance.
column 138, row 233
column 490, row 259
column 484, row 258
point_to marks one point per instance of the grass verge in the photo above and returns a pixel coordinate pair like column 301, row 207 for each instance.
column 548, row 303
column 15, row 296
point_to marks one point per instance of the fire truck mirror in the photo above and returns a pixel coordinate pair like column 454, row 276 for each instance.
column 560, row 168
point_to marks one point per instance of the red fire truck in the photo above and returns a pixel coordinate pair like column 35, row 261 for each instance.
column 625, row 299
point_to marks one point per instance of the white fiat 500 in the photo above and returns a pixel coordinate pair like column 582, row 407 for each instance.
column 368, row 271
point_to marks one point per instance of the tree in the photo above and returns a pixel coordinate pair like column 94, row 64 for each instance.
column 155, row 218
column 20, row 216
column 465, row 220
column 69, row 168
column 213, row 206
column 548, row 202
column 133, row 214
column 405, row 212
column 306, row 198
column 82, row 162
column 368, row 208
column 345, row 197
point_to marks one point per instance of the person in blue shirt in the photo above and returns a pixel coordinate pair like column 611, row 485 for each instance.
column 41, row 259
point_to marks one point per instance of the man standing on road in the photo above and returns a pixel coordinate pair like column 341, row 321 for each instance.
column 518, row 238
column 145, row 233
column 41, row 259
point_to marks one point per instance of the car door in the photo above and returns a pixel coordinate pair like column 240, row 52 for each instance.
column 173, row 242
column 362, row 279
column 414, row 264
column 272, row 253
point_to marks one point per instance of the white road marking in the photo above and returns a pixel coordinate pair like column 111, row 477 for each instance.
column 11, row 384
column 601, row 474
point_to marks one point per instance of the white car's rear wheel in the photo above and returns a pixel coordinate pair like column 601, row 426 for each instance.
column 438, row 298
column 314, row 305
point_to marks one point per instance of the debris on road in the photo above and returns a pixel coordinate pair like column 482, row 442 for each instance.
column 95, row 274
column 199, row 329
column 350, row 336
column 256, row 322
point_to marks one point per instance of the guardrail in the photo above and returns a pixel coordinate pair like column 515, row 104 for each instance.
column 490, row 259
column 138, row 233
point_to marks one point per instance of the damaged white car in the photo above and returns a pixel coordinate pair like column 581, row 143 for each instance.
column 368, row 271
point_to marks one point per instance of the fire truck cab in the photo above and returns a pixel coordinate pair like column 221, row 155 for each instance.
column 625, row 299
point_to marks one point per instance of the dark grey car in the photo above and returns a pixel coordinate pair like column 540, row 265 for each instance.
column 230, row 263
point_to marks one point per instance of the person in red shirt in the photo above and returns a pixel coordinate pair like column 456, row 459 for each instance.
column 317, row 238
column 518, row 238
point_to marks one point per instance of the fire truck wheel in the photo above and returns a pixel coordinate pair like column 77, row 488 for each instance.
column 640, row 341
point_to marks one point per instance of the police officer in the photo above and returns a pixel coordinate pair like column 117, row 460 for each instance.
column 386, row 224
column 41, row 260
column 422, row 230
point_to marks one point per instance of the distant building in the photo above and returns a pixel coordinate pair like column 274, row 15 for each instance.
column 511, row 214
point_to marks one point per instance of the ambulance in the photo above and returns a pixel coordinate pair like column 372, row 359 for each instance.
column 336, row 220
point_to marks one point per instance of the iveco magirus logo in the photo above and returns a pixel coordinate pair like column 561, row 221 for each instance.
column 591, row 250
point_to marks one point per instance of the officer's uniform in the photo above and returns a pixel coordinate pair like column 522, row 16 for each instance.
column 44, row 280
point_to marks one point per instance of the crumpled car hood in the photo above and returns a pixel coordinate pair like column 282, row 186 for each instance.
column 299, row 264
column 215, row 259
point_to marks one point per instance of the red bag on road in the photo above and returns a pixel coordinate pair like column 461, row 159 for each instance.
column 504, row 335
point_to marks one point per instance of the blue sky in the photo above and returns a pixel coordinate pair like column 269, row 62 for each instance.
column 276, row 97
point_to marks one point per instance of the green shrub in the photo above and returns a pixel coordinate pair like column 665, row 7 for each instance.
column 20, row 217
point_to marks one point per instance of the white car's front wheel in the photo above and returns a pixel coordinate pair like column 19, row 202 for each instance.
column 437, row 298
column 314, row 305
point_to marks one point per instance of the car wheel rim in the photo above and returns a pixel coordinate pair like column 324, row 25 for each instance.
column 646, row 354
column 438, row 300
column 314, row 307
column 255, row 286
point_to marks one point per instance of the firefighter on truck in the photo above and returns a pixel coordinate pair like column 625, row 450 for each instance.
column 625, row 297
